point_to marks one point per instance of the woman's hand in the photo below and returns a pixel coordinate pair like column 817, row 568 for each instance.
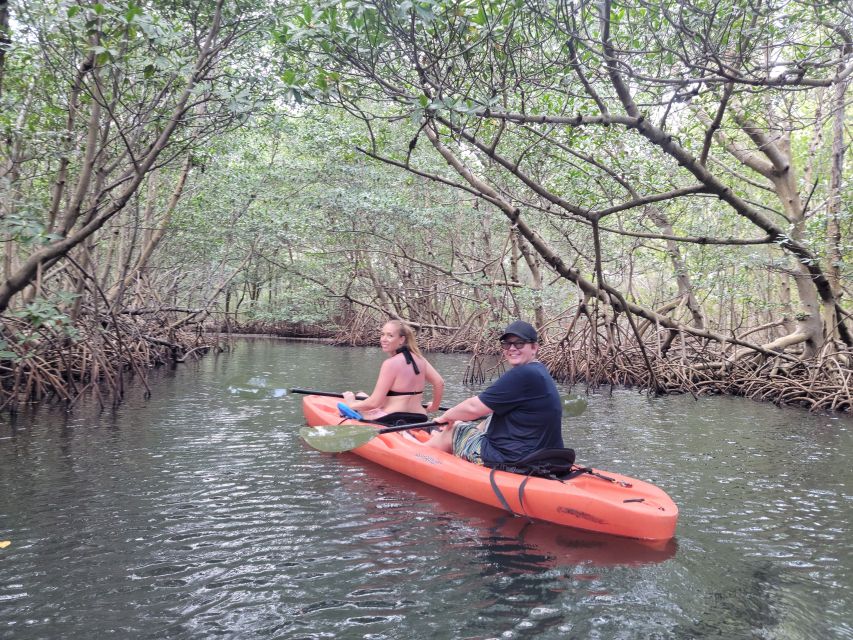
column 349, row 396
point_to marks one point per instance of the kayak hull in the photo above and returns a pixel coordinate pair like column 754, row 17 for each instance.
column 603, row 501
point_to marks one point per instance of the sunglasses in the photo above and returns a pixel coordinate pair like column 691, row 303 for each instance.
column 506, row 345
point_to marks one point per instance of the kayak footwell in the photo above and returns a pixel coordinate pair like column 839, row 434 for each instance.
column 600, row 501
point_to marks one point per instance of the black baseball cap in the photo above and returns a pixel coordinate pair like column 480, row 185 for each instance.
column 522, row 329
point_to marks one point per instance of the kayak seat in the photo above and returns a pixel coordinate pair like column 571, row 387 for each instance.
column 545, row 463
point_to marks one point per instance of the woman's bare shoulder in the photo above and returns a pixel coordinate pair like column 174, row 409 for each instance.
column 397, row 361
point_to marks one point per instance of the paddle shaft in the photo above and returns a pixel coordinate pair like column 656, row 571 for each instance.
column 406, row 427
column 332, row 394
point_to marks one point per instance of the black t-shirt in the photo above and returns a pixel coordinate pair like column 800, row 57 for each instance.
column 527, row 414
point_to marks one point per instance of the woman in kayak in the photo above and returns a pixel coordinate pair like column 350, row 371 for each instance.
column 398, row 394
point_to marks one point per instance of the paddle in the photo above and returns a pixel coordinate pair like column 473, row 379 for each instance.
column 255, row 388
column 573, row 406
column 332, row 394
column 315, row 392
column 337, row 438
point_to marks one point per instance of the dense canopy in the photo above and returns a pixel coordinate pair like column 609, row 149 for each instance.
column 659, row 186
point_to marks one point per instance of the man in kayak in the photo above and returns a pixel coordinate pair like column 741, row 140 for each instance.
column 523, row 407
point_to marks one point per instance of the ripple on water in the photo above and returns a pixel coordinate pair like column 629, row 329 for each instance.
column 200, row 513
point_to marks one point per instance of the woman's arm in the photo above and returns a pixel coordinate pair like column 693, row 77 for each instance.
column 437, row 382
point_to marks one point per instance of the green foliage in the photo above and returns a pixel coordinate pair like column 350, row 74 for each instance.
column 25, row 230
column 286, row 199
column 422, row 60
column 46, row 313
column 6, row 354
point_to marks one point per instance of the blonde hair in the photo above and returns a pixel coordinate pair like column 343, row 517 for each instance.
column 408, row 333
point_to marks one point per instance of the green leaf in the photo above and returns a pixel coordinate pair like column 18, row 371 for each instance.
column 132, row 12
column 425, row 14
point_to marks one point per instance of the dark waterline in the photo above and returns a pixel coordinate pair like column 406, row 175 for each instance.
column 199, row 513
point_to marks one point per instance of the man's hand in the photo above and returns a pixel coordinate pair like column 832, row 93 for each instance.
column 445, row 423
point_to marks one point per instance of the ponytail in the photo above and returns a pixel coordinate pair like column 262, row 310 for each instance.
column 408, row 333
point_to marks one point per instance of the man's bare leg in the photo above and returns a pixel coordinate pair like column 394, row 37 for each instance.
column 442, row 440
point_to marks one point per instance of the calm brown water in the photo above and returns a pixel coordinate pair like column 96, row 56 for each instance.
column 200, row 514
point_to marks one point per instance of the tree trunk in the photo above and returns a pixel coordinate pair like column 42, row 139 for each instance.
column 836, row 169
column 532, row 261
column 154, row 231
column 5, row 39
column 104, row 206
column 682, row 277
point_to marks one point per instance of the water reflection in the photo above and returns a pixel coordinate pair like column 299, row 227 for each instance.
column 508, row 542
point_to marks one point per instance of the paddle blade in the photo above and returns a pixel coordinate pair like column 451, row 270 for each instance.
column 337, row 438
column 573, row 406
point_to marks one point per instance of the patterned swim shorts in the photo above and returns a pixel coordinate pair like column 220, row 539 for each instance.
column 468, row 441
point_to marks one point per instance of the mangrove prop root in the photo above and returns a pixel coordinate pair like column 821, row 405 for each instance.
column 51, row 365
column 591, row 349
column 598, row 352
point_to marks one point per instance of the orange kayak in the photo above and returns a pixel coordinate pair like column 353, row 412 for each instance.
column 593, row 500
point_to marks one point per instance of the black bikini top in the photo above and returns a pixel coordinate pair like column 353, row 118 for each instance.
column 409, row 360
